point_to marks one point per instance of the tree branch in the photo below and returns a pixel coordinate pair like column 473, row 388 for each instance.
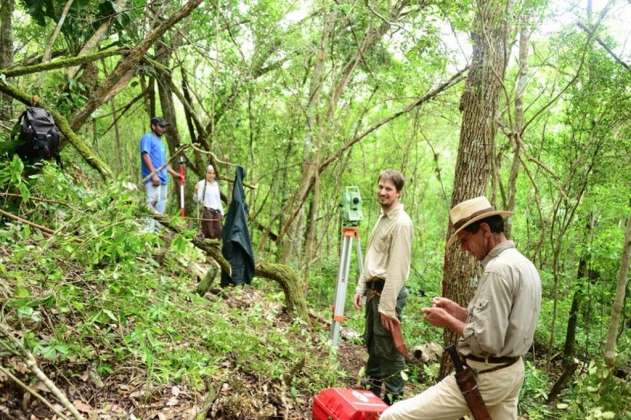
column 61, row 63
column 47, row 232
column 32, row 364
column 95, row 38
column 33, row 392
column 606, row 47
column 456, row 78
column 127, row 65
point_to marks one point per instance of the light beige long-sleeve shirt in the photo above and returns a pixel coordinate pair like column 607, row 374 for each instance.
column 504, row 312
column 388, row 257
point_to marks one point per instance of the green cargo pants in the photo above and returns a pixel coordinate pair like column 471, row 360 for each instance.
column 385, row 363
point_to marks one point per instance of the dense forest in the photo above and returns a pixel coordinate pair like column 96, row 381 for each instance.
column 525, row 101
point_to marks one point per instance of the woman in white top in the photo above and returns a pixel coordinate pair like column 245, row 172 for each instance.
column 208, row 195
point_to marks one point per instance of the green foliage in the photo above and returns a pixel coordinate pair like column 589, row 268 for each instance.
column 11, row 177
column 84, row 16
column 597, row 394
column 93, row 295
column 534, row 392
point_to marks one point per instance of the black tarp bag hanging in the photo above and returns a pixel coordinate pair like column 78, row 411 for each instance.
column 236, row 246
column 37, row 136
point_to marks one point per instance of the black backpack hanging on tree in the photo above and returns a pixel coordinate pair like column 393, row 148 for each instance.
column 38, row 136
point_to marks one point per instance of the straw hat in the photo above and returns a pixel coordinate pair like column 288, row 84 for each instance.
column 470, row 211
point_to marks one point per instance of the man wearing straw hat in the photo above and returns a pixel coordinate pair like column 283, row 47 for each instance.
column 497, row 327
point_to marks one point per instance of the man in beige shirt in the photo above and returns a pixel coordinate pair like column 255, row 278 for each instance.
column 386, row 269
column 497, row 327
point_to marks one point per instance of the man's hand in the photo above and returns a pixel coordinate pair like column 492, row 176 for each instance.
column 155, row 181
column 394, row 327
column 451, row 307
column 175, row 174
column 357, row 301
column 438, row 317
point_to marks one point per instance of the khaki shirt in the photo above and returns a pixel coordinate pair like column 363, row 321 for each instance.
column 388, row 257
column 503, row 313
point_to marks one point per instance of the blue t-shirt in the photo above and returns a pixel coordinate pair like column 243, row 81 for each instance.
column 153, row 145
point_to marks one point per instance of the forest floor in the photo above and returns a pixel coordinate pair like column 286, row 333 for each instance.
column 128, row 393
column 112, row 316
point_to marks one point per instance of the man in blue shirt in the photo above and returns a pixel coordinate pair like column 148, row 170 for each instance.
column 154, row 168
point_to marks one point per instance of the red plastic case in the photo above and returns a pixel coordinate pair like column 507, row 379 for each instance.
column 347, row 404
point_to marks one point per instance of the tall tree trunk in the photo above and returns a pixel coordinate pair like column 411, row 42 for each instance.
column 163, row 54
column 312, row 143
column 95, row 137
column 200, row 165
column 618, row 304
column 478, row 105
column 147, row 84
column 518, row 126
column 6, row 53
column 310, row 240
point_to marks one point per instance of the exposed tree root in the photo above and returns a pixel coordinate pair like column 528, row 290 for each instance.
column 284, row 275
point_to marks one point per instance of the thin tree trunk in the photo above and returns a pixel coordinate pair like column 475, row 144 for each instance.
column 119, row 148
column 95, row 137
column 477, row 135
column 163, row 55
column 311, row 145
column 516, row 132
column 199, row 162
column 55, row 34
column 616, row 308
column 6, row 53
column 146, row 84
column 310, row 244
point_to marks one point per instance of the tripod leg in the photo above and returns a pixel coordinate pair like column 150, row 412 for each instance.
column 360, row 257
column 340, row 289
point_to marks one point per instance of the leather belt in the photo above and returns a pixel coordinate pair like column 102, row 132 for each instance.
column 505, row 362
column 493, row 359
column 375, row 284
